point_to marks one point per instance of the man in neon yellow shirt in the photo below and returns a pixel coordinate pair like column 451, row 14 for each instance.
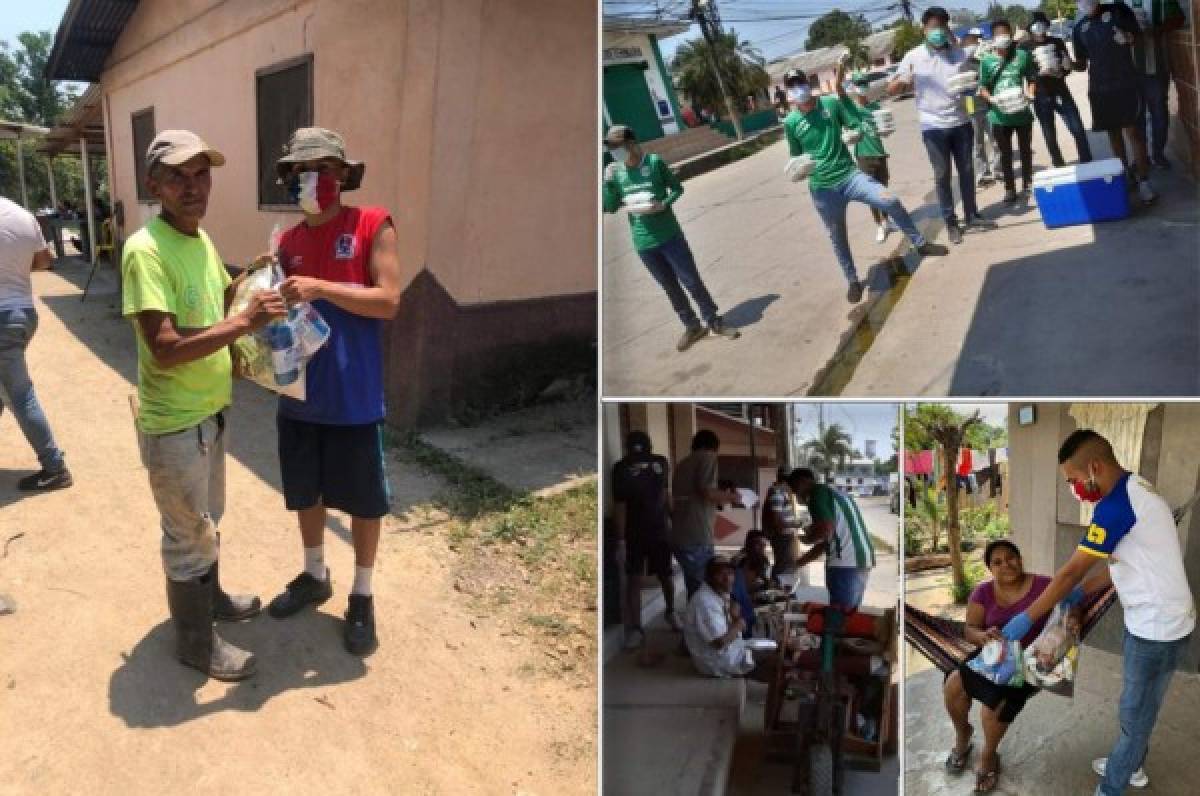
column 176, row 292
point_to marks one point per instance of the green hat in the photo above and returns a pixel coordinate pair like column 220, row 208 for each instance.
column 314, row 143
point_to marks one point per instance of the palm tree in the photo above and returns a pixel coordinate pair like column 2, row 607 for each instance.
column 831, row 447
column 741, row 66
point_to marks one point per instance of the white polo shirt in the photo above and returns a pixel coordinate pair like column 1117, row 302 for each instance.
column 1134, row 530
column 930, row 69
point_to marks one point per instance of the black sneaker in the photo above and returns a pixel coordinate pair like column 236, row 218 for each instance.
column 359, row 633
column 854, row 293
column 690, row 336
column 45, row 480
column 302, row 591
column 979, row 222
column 718, row 327
column 953, row 232
column 1161, row 162
column 932, row 250
column 1010, row 197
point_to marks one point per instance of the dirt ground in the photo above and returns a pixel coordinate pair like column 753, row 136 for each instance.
column 465, row 695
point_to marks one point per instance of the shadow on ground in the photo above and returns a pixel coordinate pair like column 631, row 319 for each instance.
column 750, row 311
column 152, row 689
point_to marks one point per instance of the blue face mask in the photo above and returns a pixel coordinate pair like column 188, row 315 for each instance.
column 619, row 154
column 937, row 38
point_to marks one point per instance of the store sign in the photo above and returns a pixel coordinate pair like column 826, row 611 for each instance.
column 622, row 54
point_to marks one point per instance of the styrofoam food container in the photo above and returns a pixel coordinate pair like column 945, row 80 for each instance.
column 798, row 168
column 851, row 137
column 963, row 82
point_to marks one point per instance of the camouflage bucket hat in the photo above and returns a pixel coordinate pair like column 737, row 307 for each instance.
column 314, row 143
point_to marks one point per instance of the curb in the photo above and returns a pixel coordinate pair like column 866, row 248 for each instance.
column 716, row 158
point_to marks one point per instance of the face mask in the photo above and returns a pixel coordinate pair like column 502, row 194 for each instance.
column 619, row 154
column 800, row 95
column 1087, row 491
column 1038, row 29
column 937, row 38
column 1002, row 42
column 314, row 192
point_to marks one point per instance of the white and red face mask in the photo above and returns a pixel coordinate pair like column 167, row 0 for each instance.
column 315, row 192
column 1087, row 491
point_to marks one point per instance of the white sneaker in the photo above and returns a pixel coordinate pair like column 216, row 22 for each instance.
column 1146, row 192
column 1137, row 780
column 881, row 233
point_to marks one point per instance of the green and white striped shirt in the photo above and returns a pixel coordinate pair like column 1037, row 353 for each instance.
column 849, row 544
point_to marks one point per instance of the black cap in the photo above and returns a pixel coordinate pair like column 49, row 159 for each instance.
column 794, row 76
column 638, row 442
column 935, row 12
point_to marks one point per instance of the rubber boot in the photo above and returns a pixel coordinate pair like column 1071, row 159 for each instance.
column 196, row 643
column 231, row 607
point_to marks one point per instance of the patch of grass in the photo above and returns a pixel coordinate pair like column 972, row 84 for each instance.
column 471, row 493
column 552, row 624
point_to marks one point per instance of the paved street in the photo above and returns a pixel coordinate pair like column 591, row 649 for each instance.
column 1019, row 311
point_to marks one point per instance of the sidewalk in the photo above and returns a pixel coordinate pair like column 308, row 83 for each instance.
column 463, row 695
column 1109, row 309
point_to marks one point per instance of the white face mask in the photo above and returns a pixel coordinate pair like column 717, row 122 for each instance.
column 1002, row 42
column 619, row 154
column 800, row 95
column 307, row 198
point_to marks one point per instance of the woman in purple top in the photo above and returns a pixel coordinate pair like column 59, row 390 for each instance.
column 1010, row 591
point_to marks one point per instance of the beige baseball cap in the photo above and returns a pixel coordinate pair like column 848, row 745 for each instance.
column 174, row 147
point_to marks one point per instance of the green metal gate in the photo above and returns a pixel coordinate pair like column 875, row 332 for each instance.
column 628, row 100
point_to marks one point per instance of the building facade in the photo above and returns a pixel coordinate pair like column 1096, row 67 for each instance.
column 638, row 90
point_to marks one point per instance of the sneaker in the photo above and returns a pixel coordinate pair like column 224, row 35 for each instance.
column 690, row 336
column 1010, row 197
column 359, row 632
column 932, row 250
column 1146, row 192
column 854, row 293
column 1138, row 779
column 881, row 233
column 302, row 591
column 44, row 481
column 987, row 178
column 979, row 222
column 954, row 233
column 719, row 328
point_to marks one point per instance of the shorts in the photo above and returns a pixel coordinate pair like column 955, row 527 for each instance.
column 1115, row 110
column 875, row 167
column 986, row 692
column 340, row 467
column 647, row 553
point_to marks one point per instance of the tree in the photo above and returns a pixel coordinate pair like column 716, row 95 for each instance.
column 836, row 27
column 1058, row 9
column 964, row 17
column 908, row 36
column 949, row 430
column 1018, row 15
column 741, row 66
column 831, row 447
column 860, row 56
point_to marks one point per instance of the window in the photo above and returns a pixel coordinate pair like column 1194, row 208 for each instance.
column 284, row 102
column 143, row 133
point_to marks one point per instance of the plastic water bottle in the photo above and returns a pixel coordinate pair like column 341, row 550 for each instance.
column 283, row 359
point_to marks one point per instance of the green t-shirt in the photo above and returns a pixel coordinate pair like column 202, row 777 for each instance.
column 850, row 542
column 1020, row 67
column 870, row 145
column 165, row 270
column 819, row 133
column 654, row 176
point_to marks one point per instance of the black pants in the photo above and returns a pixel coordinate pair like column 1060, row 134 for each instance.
column 1003, row 135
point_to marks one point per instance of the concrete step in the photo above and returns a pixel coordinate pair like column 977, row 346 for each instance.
column 687, row 144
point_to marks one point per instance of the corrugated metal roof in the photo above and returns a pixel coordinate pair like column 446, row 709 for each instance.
column 878, row 45
column 86, row 36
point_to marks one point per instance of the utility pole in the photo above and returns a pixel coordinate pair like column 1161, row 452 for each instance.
column 705, row 12
column 906, row 9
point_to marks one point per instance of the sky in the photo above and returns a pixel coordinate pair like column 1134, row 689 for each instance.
column 776, row 37
column 18, row 16
column 862, row 421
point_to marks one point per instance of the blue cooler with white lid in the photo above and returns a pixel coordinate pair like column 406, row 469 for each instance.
column 1082, row 194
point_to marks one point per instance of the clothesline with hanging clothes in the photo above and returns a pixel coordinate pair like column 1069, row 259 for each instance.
column 944, row 642
column 969, row 461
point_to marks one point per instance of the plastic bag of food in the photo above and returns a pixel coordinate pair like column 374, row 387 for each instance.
column 1052, row 660
column 1000, row 662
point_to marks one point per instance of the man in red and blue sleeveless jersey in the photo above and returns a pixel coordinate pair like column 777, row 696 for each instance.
column 344, row 261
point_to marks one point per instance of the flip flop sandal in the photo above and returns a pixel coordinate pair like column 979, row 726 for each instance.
column 986, row 781
column 955, row 763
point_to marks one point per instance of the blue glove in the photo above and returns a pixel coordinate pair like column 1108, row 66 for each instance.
column 1075, row 597
column 1018, row 627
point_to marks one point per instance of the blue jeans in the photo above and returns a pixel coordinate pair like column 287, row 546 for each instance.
column 944, row 146
column 692, row 560
column 674, row 268
column 1148, row 667
column 846, row 586
column 16, row 390
column 1154, row 104
column 1044, row 107
column 831, row 207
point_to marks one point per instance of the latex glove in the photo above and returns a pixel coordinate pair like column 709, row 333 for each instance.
column 1075, row 597
column 1018, row 627
column 619, row 553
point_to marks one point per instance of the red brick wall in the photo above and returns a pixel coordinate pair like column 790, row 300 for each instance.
column 1185, row 121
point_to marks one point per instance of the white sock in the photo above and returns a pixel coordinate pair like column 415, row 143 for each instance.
column 362, row 580
column 314, row 561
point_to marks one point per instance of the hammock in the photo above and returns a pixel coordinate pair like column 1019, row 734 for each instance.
column 943, row 641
